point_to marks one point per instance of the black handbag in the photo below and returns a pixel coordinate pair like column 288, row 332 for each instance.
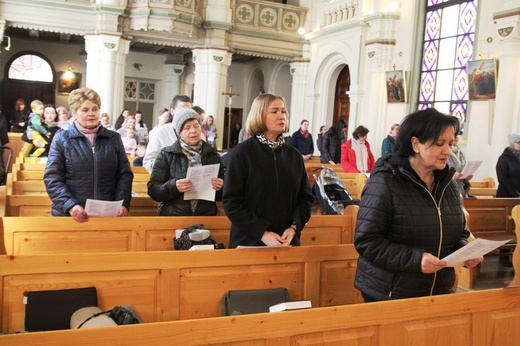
column 242, row 302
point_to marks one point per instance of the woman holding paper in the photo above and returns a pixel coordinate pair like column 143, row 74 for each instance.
column 87, row 161
column 168, row 183
column 457, row 160
column 411, row 214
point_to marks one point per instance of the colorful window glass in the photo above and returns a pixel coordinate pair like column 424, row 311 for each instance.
column 449, row 35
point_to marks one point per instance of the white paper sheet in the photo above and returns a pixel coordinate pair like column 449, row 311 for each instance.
column 470, row 168
column 94, row 207
column 200, row 177
column 478, row 247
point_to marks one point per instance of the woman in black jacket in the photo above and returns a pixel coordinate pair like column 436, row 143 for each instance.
column 168, row 182
column 411, row 214
column 87, row 161
column 508, row 169
column 332, row 141
column 266, row 193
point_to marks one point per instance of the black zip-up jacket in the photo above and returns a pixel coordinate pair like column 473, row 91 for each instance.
column 265, row 190
column 398, row 220
column 172, row 164
column 508, row 174
column 77, row 170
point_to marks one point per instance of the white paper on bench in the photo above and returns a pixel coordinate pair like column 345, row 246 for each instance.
column 299, row 304
column 478, row 247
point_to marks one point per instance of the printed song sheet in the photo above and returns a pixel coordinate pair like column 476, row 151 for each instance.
column 478, row 247
column 200, row 177
column 94, row 207
column 470, row 168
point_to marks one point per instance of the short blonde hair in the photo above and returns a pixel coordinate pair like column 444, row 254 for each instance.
column 255, row 123
column 78, row 96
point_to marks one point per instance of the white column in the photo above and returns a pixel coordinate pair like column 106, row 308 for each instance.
column 211, row 66
column 171, row 82
column 507, row 103
column 106, row 56
column 300, row 108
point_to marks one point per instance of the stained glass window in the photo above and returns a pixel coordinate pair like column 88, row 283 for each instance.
column 447, row 47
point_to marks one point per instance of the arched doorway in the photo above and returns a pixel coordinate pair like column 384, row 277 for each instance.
column 341, row 98
column 29, row 76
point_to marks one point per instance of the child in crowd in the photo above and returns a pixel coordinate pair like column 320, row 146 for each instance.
column 129, row 142
column 63, row 117
column 141, row 150
column 36, row 133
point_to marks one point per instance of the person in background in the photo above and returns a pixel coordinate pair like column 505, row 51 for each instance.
column 457, row 160
column 243, row 135
column 508, row 169
column 302, row 140
column 168, row 182
column 356, row 156
column 140, row 126
column 332, row 141
column 266, row 195
column 164, row 117
column 18, row 117
column 319, row 140
column 129, row 124
column 411, row 215
column 129, row 142
column 121, row 119
column 235, row 134
column 105, row 121
column 202, row 115
column 63, row 117
column 141, row 150
column 87, row 162
column 163, row 136
column 210, row 130
column 4, row 139
column 388, row 145
column 36, row 134
column 49, row 122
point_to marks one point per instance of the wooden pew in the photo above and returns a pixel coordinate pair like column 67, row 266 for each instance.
column 180, row 285
column 488, row 317
column 39, row 166
column 25, row 175
column 46, row 235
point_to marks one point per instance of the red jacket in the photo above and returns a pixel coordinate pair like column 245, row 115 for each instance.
column 348, row 158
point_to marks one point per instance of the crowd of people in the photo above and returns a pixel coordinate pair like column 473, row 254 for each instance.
column 410, row 214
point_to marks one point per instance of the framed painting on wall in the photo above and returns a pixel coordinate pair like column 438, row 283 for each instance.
column 68, row 81
column 482, row 79
column 396, row 88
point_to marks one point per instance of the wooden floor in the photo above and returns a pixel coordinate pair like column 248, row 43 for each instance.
column 493, row 274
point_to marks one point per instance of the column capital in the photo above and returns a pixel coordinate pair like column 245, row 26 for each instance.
column 107, row 43
column 211, row 55
column 508, row 24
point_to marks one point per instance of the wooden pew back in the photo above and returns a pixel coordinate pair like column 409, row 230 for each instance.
column 491, row 217
column 180, row 285
column 45, row 235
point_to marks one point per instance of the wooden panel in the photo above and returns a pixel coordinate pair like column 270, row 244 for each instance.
column 336, row 283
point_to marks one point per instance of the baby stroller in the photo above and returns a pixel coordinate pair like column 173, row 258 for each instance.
column 330, row 192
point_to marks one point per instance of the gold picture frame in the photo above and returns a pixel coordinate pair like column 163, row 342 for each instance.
column 482, row 79
column 68, row 81
column 396, row 86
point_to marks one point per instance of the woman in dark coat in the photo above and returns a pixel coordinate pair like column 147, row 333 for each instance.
column 87, row 161
column 332, row 141
column 19, row 116
column 168, row 182
column 266, row 192
column 508, row 169
column 411, row 215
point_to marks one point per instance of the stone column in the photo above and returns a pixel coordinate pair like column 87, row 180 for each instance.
column 171, row 82
column 211, row 66
column 106, row 56
column 301, row 106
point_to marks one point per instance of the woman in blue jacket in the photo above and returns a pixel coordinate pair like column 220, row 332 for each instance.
column 87, row 161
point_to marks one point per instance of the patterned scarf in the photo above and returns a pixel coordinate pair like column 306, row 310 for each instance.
column 193, row 155
column 273, row 145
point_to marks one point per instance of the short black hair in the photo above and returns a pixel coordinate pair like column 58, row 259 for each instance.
column 426, row 125
column 179, row 98
column 360, row 131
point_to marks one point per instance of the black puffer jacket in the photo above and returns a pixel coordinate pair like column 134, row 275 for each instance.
column 508, row 174
column 171, row 165
column 398, row 220
column 76, row 170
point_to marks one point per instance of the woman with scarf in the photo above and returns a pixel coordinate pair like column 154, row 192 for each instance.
column 388, row 146
column 266, row 195
column 457, row 160
column 302, row 140
column 168, row 181
column 508, row 169
column 356, row 156
column 87, row 161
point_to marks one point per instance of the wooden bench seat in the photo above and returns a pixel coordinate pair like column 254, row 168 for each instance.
column 488, row 317
column 38, row 175
column 180, row 285
column 39, row 235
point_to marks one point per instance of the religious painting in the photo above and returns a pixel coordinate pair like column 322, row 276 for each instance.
column 396, row 88
column 482, row 79
column 68, row 81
